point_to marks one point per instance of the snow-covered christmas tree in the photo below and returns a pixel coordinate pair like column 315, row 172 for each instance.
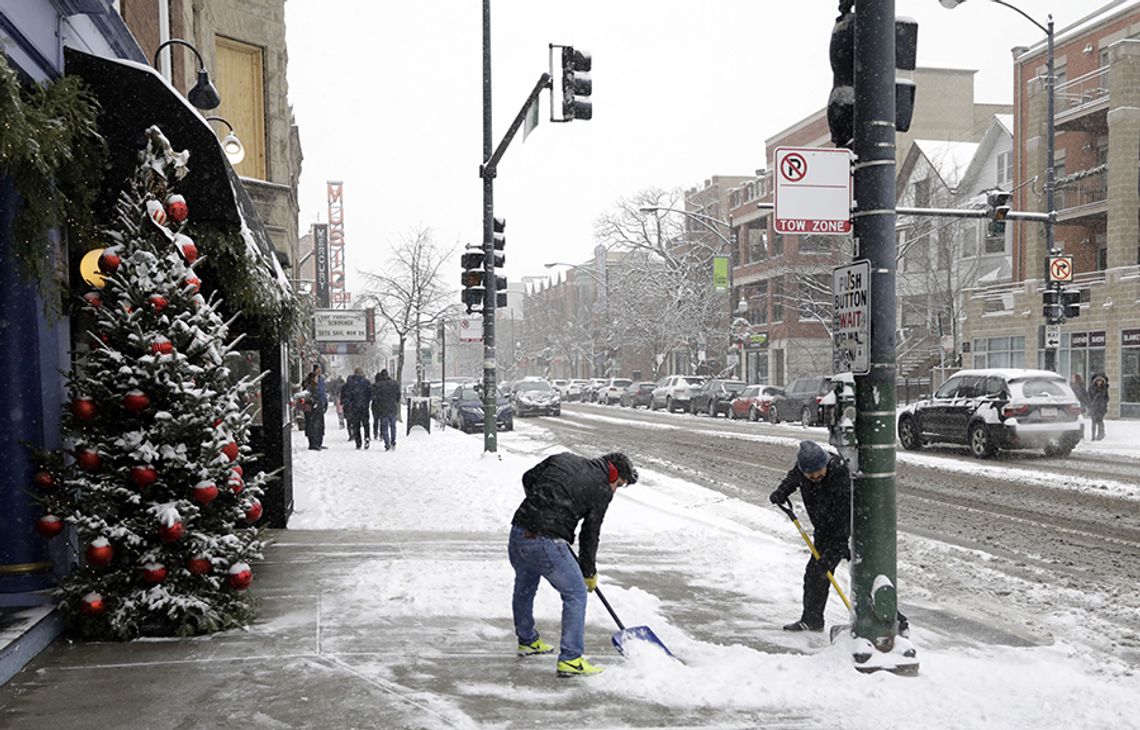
column 164, row 518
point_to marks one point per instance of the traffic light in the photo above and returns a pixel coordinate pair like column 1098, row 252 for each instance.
column 472, row 295
column 1051, row 305
column 841, row 102
column 576, row 84
column 499, row 240
column 1071, row 303
column 997, row 205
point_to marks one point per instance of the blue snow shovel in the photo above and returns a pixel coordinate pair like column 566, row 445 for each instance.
column 636, row 633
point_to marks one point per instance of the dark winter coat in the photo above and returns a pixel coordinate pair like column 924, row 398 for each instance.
column 1098, row 396
column 385, row 397
column 1081, row 392
column 356, row 395
column 828, row 501
column 561, row 491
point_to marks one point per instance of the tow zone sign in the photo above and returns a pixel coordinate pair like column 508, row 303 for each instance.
column 813, row 190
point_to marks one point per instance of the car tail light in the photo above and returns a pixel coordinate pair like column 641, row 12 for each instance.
column 1015, row 411
column 1074, row 408
column 818, row 399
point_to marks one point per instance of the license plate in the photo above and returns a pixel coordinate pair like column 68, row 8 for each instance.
column 1048, row 412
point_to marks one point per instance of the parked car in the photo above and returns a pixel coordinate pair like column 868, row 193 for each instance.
column 610, row 393
column 715, row 397
column 996, row 408
column 575, row 389
column 800, row 400
column 466, row 410
column 562, row 386
column 674, row 392
column 753, row 402
column 590, row 392
column 638, row 394
column 535, row 397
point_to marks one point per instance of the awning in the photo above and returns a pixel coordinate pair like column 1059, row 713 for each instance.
column 133, row 97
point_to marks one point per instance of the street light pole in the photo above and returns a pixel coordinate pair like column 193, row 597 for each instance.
column 1050, row 153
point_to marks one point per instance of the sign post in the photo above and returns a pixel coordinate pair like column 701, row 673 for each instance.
column 813, row 190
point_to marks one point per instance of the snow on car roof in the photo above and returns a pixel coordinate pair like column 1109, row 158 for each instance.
column 1011, row 373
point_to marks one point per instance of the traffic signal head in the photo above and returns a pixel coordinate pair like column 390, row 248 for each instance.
column 499, row 237
column 841, row 102
column 576, row 84
column 1071, row 303
column 997, row 205
column 1051, row 305
column 906, row 54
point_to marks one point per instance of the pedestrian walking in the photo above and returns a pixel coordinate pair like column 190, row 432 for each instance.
column 386, row 407
column 824, row 483
column 1098, row 404
column 318, row 405
column 356, row 395
column 561, row 491
column 1082, row 393
column 335, row 386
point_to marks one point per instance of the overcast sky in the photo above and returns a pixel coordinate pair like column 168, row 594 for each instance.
column 388, row 97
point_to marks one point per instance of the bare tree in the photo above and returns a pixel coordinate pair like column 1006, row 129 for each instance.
column 410, row 293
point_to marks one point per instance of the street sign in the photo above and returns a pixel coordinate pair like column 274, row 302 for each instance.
column 813, row 190
column 470, row 330
column 1061, row 268
column 851, row 290
column 1052, row 336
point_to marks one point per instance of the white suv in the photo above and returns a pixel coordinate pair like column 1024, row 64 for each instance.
column 674, row 392
column 610, row 393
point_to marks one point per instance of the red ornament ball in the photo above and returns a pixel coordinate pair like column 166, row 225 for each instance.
column 171, row 533
column 136, row 401
column 99, row 552
column 235, row 483
column 186, row 246
column 231, row 450
column 99, row 338
column 204, row 492
column 88, row 459
column 92, row 604
column 93, row 299
column 236, row 469
column 253, row 512
column 44, row 479
column 176, row 208
column 240, row 576
column 144, row 476
column 199, row 565
column 109, row 262
column 49, row 525
column 153, row 573
column 161, row 346
column 194, row 283
column 159, row 302
column 83, row 408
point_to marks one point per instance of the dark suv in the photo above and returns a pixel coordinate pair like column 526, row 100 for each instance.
column 715, row 397
column 800, row 400
column 996, row 409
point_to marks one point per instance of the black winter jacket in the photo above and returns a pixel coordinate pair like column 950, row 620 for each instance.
column 828, row 501
column 560, row 491
column 356, row 394
column 385, row 397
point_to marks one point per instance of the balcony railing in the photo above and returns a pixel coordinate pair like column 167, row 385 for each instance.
column 1081, row 92
column 1087, row 187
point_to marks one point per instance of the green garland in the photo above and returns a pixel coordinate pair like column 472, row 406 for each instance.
column 51, row 149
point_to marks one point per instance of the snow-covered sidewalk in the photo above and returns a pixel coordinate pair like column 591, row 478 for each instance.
column 714, row 578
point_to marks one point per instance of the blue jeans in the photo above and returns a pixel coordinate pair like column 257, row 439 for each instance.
column 388, row 430
column 550, row 558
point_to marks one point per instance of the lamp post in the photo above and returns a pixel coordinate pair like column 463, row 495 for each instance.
column 203, row 95
column 1050, row 145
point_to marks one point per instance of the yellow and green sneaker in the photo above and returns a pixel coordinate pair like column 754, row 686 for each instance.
column 577, row 668
column 538, row 646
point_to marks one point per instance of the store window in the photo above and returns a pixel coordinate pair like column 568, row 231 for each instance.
column 999, row 352
column 241, row 79
column 1082, row 353
column 757, row 367
column 1130, row 373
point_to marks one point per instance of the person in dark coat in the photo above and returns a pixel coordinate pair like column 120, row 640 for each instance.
column 1079, row 390
column 1098, row 404
column 356, row 395
column 386, row 406
column 335, row 386
column 824, row 483
column 561, row 491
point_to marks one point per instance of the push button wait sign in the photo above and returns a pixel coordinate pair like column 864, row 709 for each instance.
column 851, row 291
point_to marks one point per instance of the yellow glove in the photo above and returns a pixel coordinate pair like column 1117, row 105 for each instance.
column 591, row 583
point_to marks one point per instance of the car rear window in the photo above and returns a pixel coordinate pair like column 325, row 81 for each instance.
column 694, row 381
column 734, row 386
column 622, row 383
column 1042, row 387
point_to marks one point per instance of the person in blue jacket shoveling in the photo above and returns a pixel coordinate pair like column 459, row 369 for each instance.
column 561, row 491
column 824, row 482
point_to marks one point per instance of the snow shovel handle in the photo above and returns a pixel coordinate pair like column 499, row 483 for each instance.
column 598, row 591
column 787, row 508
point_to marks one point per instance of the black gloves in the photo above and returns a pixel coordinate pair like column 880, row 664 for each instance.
column 777, row 498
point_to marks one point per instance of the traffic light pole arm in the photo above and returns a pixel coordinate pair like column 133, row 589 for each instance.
column 489, row 168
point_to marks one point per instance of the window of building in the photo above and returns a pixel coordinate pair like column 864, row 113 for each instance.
column 777, row 244
column 1005, row 169
column 240, row 75
column 778, row 299
column 758, row 303
column 999, row 352
column 1129, row 374
column 757, row 242
column 922, row 193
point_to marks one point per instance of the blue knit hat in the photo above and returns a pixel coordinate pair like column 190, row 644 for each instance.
column 811, row 457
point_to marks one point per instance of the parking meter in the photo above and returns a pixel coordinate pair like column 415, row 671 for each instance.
column 841, row 422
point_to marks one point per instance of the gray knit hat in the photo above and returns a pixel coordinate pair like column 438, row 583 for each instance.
column 811, row 457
